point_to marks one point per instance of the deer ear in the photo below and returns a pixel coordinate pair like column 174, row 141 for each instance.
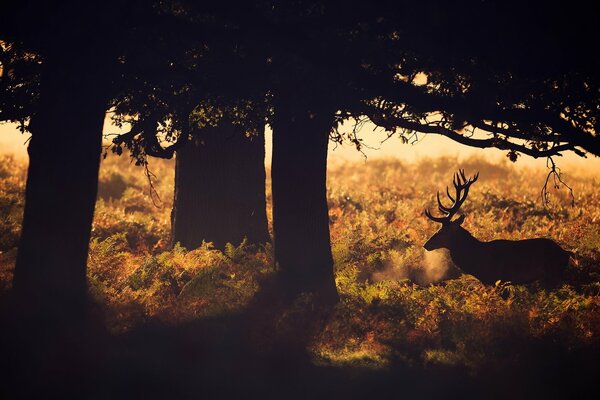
column 460, row 220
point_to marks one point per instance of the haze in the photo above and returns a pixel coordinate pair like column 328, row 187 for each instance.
column 13, row 142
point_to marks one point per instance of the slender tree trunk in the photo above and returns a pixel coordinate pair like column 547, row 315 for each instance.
column 220, row 189
column 300, row 215
column 64, row 156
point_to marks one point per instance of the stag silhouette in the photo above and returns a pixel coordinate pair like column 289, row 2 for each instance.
column 517, row 261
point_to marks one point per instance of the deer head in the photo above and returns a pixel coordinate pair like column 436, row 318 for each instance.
column 450, row 229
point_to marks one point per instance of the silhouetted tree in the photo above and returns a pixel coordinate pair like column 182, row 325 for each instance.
column 303, row 117
column 194, row 87
column 65, row 100
column 64, row 154
column 220, row 189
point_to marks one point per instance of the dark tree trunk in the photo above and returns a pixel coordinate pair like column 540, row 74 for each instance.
column 64, row 156
column 300, row 215
column 220, row 189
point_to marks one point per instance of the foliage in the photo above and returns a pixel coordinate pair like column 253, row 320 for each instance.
column 12, row 175
column 396, row 306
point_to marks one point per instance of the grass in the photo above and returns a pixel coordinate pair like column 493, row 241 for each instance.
column 399, row 304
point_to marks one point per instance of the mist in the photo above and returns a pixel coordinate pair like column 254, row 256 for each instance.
column 426, row 268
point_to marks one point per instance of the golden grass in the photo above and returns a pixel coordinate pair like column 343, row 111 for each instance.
column 397, row 302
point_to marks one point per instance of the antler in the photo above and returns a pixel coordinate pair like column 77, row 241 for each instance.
column 461, row 185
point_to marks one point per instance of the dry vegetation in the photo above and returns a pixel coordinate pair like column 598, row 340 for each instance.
column 398, row 303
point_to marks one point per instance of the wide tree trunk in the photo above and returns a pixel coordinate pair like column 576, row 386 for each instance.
column 220, row 189
column 300, row 215
column 64, row 156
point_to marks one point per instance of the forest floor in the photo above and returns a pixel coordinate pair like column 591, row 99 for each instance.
column 173, row 323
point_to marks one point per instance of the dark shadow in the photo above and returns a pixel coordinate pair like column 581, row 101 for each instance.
column 259, row 352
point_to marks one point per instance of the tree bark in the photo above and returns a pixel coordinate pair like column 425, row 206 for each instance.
column 300, row 215
column 220, row 189
column 64, row 156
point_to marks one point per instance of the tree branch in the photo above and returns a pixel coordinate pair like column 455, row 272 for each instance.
column 503, row 144
column 424, row 102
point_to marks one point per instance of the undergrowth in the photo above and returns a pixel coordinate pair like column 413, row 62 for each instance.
column 397, row 301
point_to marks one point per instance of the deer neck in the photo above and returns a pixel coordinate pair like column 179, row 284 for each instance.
column 463, row 248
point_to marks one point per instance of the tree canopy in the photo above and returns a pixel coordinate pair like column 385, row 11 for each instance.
column 518, row 77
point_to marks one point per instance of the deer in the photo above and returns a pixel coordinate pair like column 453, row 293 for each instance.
column 516, row 261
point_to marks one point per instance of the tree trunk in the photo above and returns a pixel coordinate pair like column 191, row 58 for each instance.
column 64, row 157
column 220, row 189
column 300, row 215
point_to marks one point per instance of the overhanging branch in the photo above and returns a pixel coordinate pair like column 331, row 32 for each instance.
column 391, row 122
column 519, row 121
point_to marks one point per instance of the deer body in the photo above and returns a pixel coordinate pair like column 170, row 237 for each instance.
column 517, row 261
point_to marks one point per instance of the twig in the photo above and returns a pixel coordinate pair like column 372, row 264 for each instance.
column 557, row 180
column 153, row 192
